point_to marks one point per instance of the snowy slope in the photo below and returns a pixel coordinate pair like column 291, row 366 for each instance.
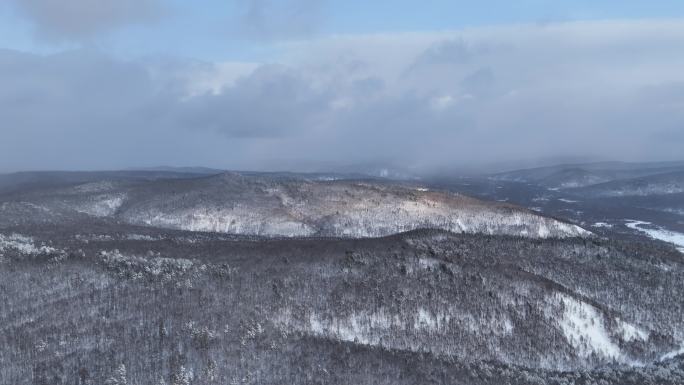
column 279, row 206
column 257, row 206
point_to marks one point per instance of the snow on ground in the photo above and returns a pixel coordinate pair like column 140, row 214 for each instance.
column 360, row 328
column 349, row 210
column 649, row 189
column 658, row 233
column 23, row 245
column 228, row 221
column 630, row 332
column 567, row 200
column 378, row 328
column 326, row 178
column 94, row 187
column 140, row 237
column 429, row 321
column 603, row 224
column 583, row 327
column 428, row 263
column 435, row 214
column 102, row 206
column 672, row 354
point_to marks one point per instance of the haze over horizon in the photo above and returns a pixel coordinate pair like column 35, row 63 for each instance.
column 301, row 84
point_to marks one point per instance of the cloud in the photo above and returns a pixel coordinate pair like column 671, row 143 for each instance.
column 279, row 19
column 611, row 90
column 273, row 101
column 77, row 20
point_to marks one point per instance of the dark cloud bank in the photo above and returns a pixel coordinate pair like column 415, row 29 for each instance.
column 605, row 90
column 82, row 19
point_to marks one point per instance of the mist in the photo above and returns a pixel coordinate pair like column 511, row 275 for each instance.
column 603, row 90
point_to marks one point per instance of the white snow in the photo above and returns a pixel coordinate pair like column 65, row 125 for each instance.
column 379, row 328
column 507, row 327
column 353, row 210
column 603, row 224
column 428, row 263
column 672, row 354
column 567, row 200
column 23, row 245
column 657, row 188
column 583, row 327
column 359, row 328
column 239, row 221
column 658, row 233
column 630, row 332
column 140, row 237
column 426, row 320
column 102, row 206
column 94, row 187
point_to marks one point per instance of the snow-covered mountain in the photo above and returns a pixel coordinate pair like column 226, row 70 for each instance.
column 101, row 279
column 589, row 174
column 660, row 184
column 234, row 203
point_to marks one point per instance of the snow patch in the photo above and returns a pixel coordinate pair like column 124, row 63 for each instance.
column 358, row 328
column 658, row 233
column 102, row 206
column 94, row 187
column 629, row 332
column 427, row 321
column 23, row 245
column 141, row 237
column 428, row 263
column 228, row 221
column 584, row 328
column 672, row 354
column 658, row 188
column 380, row 328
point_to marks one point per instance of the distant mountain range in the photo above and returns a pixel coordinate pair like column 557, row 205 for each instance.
column 582, row 175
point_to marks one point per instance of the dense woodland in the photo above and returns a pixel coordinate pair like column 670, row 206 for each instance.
column 420, row 307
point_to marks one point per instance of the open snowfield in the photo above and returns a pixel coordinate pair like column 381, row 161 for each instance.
column 658, row 233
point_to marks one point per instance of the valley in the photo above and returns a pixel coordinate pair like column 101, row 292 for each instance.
column 255, row 278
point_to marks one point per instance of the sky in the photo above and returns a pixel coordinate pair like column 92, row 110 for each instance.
column 310, row 84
